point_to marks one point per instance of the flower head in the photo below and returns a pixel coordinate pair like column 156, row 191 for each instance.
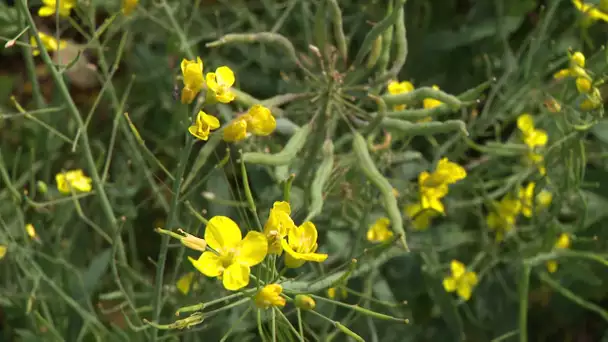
column 192, row 72
column 3, row 250
column 301, row 245
column 277, row 227
column 219, row 83
column 503, row 216
column 49, row 42
column 260, row 120
column 73, row 180
column 269, row 295
column 305, row 302
column 592, row 11
column 447, row 172
column 527, row 198
column 236, row 130
column 380, row 231
column 396, row 87
column 204, row 124
column 431, row 102
column 532, row 137
column 421, row 217
column 235, row 255
column 460, row 280
column 128, row 6
column 576, row 67
column 49, row 7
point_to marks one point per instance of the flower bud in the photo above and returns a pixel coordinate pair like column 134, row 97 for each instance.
column 193, row 242
column 305, row 302
column 42, row 187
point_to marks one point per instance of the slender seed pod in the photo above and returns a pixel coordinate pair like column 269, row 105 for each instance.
column 260, row 37
column 286, row 156
column 387, row 43
column 400, row 44
column 320, row 179
column 374, row 54
column 420, row 94
column 424, row 128
column 336, row 18
column 370, row 171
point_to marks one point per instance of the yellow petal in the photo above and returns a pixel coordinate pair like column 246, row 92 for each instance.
column 457, row 268
column 184, row 283
column 470, row 278
column 578, row 59
column 525, row 123
column 208, row 264
column 188, row 95
column 464, row 291
column 225, row 96
column 46, row 11
column 307, row 236
column 210, row 120
column 562, row 74
column 262, row 121
column 225, row 76
column 583, row 85
column 563, row 241
column 199, row 133
column 221, row 232
column 235, row 131
column 449, row 284
column 210, row 78
column 253, row 249
column 544, row 198
column 235, row 277
column 551, row 266
column 3, row 250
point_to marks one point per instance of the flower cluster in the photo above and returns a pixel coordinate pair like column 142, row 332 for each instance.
column 460, row 280
column 258, row 121
column 563, row 242
column 73, row 180
column 504, row 213
column 232, row 256
column 591, row 96
column 432, row 188
column 535, row 139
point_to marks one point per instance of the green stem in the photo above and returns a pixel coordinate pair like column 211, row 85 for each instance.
column 524, row 285
column 164, row 246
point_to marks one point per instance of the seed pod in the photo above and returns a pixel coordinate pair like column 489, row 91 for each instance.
column 286, row 156
column 336, row 18
column 424, row 128
column 320, row 179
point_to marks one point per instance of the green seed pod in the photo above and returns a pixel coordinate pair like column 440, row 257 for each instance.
column 387, row 44
column 424, row 128
column 374, row 54
column 260, row 37
column 305, row 302
column 286, row 156
column 336, row 18
column 320, row 179
column 370, row 171
column 400, row 45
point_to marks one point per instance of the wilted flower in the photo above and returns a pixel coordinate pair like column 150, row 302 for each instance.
column 184, row 283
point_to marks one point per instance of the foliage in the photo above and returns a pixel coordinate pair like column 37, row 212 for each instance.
column 337, row 189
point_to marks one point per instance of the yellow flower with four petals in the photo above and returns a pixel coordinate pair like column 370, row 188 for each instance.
column 192, row 71
column 278, row 225
column 301, row 245
column 460, row 281
column 204, row 124
column 396, row 87
column 219, row 83
column 258, row 121
column 73, row 180
column 49, row 42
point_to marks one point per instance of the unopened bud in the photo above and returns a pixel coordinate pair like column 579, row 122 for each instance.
column 193, row 242
column 305, row 302
column 42, row 187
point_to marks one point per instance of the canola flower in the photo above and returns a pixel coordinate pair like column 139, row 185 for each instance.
column 49, row 7
column 429, row 103
column 269, row 296
column 234, row 255
column 204, row 124
column 460, row 280
column 3, row 251
column 31, row 231
column 73, row 180
column 192, row 72
column 563, row 242
column 380, row 231
column 301, row 245
column 592, row 97
column 258, row 121
column 432, row 188
column 49, row 42
column 128, row 6
column 278, row 225
column 396, row 87
column 219, row 83
column 533, row 138
column 591, row 11
column 576, row 67
column 503, row 216
column 529, row 201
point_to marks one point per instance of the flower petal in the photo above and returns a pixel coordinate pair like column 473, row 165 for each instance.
column 221, row 232
column 457, row 268
column 225, row 76
column 46, row 11
column 449, row 284
column 253, row 249
column 210, row 120
column 184, row 284
column 236, row 276
column 470, row 278
column 235, row 131
column 208, row 264
column 525, row 123
column 225, row 96
column 464, row 291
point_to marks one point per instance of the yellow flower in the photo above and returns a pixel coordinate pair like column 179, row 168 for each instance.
column 532, row 137
column 593, row 100
column 583, row 85
column 379, row 231
column 305, row 302
column 461, row 280
column 128, row 6
column 31, row 231
column 526, row 196
column 421, row 218
column 269, row 295
column 205, row 123
column 395, row 87
column 192, row 71
column 576, row 67
column 3, row 250
column 49, row 42
column 332, row 293
column 595, row 12
column 184, row 284
column 538, row 160
column 503, row 216
column 219, row 82
column 430, row 102
column 447, row 172
column 73, row 180
column 260, row 120
column 563, row 242
column 235, row 255
column 49, row 7
column 277, row 227
column 301, row 245
column 236, row 130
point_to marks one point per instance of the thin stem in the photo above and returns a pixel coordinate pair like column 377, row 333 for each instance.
column 524, row 285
